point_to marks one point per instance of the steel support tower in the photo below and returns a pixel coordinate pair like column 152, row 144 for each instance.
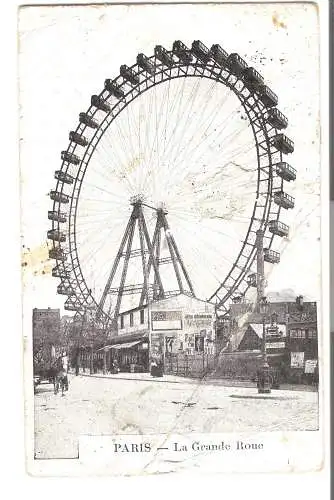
column 151, row 261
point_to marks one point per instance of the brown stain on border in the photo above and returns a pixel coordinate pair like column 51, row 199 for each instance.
column 36, row 260
column 277, row 22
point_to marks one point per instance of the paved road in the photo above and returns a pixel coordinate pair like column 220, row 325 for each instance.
column 111, row 406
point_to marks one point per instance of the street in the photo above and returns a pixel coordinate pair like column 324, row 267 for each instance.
column 117, row 406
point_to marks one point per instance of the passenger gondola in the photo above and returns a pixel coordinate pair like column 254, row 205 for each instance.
column 182, row 52
column 65, row 289
column 252, row 79
column 278, row 228
column 78, row 138
column 113, row 89
column 60, row 272
column 271, row 256
column 70, row 306
column 161, row 53
column 59, row 197
column 285, row 171
column 277, row 119
column 267, row 96
column 144, row 63
column 55, row 235
column 284, row 200
column 57, row 216
column 236, row 63
column 129, row 75
column 200, row 51
column 88, row 120
column 64, row 177
column 70, row 157
column 57, row 253
column 218, row 54
column 99, row 103
column 283, row 143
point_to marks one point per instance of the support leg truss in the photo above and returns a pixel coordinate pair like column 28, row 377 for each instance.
column 149, row 248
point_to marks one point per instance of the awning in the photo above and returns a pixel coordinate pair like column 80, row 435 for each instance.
column 105, row 348
column 125, row 345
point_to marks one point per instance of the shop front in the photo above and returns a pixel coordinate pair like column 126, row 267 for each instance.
column 303, row 353
column 126, row 355
column 131, row 356
column 182, row 335
column 148, row 335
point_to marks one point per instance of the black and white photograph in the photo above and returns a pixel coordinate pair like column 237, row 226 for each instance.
column 170, row 164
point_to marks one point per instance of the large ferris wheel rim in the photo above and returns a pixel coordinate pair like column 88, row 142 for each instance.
column 132, row 99
column 160, row 68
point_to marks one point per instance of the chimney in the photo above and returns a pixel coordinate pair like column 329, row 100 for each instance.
column 300, row 300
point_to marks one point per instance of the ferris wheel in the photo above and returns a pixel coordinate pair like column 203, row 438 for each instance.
column 167, row 177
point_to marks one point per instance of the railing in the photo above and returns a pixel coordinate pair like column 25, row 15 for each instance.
column 189, row 365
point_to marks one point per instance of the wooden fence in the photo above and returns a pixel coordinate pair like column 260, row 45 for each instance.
column 236, row 365
column 186, row 365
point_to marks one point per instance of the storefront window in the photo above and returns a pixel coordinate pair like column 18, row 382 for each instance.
column 298, row 334
column 131, row 319
column 312, row 333
column 122, row 321
column 142, row 316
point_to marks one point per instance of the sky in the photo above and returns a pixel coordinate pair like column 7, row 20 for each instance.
column 66, row 53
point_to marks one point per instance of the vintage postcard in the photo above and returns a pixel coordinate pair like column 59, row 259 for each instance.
column 171, row 163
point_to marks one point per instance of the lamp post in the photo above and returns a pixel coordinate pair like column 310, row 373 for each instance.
column 274, row 318
column 262, row 306
column 264, row 383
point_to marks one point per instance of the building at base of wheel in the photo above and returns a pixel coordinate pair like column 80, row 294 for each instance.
column 180, row 324
column 291, row 333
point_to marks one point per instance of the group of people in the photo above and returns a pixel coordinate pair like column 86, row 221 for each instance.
column 97, row 365
column 62, row 367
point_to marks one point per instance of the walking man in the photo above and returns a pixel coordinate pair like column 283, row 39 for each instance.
column 64, row 362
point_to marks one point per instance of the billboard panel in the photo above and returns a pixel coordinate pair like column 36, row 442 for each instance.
column 166, row 320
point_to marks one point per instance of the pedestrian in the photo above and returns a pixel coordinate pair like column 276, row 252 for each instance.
column 153, row 367
column 115, row 366
column 64, row 363
column 77, row 361
column 316, row 375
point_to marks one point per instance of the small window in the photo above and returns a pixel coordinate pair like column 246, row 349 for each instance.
column 293, row 334
column 298, row 334
column 122, row 321
column 312, row 333
column 131, row 319
column 142, row 316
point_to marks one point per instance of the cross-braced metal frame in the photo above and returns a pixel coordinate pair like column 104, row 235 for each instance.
column 152, row 250
column 105, row 107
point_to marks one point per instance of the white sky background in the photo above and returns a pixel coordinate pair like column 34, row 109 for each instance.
column 66, row 53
